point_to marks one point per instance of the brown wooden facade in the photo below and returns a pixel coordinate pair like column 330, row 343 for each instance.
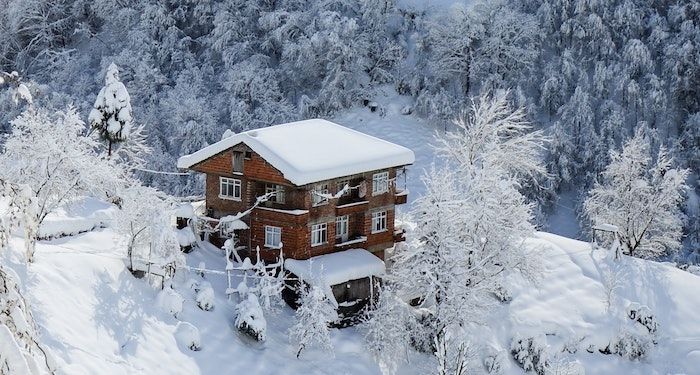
column 298, row 213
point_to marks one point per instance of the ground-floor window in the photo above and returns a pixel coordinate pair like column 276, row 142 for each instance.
column 273, row 236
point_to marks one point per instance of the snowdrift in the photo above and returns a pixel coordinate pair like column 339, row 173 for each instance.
column 96, row 318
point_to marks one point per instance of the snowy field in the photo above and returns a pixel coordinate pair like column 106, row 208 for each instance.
column 96, row 318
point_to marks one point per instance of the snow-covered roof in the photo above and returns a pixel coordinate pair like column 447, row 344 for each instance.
column 312, row 150
column 336, row 268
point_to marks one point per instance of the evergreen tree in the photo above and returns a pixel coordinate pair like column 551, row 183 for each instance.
column 111, row 115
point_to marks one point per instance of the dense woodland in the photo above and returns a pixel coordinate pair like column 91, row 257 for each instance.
column 588, row 72
column 534, row 100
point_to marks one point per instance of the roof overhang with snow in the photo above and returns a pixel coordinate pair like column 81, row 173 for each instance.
column 336, row 268
column 311, row 151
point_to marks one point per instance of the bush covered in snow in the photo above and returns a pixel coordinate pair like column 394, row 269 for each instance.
column 205, row 296
column 187, row 335
column 250, row 319
column 631, row 345
column 642, row 315
column 530, row 353
column 170, row 301
column 493, row 363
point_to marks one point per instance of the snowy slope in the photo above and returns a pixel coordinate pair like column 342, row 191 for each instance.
column 97, row 319
column 409, row 131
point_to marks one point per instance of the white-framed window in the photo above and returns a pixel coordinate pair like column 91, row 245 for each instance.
column 378, row 221
column 316, row 197
column 380, row 183
column 340, row 185
column 273, row 236
column 319, row 234
column 229, row 188
column 278, row 190
column 341, row 227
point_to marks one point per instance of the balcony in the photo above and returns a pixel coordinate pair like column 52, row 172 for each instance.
column 352, row 240
column 401, row 196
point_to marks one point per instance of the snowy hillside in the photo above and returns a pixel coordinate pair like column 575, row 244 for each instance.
column 96, row 318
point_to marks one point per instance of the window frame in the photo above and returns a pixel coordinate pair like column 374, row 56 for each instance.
column 279, row 196
column 319, row 230
column 235, row 182
column 343, row 221
column 380, row 217
column 271, row 230
column 237, row 162
column 341, row 184
column 322, row 189
column 377, row 178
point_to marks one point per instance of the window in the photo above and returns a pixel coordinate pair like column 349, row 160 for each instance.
column 380, row 183
column 229, row 188
column 248, row 155
column 278, row 190
column 316, row 196
column 341, row 227
column 273, row 236
column 340, row 185
column 319, row 234
column 378, row 221
column 237, row 162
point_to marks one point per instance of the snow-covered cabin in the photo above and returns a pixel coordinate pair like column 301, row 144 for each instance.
column 334, row 188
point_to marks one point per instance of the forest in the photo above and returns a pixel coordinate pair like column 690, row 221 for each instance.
column 533, row 106
column 589, row 72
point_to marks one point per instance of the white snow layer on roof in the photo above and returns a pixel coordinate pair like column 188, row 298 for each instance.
column 336, row 268
column 312, row 150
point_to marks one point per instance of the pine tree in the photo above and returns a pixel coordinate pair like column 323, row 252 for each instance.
column 111, row 115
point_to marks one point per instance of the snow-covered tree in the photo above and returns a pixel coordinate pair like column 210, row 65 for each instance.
column 21, row 351
column 471, row 222
column 313, row 318
column 48, row 154
column 640, row 192
column 111, row 115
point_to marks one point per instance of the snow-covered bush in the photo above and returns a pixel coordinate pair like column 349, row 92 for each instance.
column 631, row 345
column 502, row 294
column 188, row 336
column 642, row 315
column 250, row 319
column 493, row 363
column 530, row 353
column 314, row 316
column 170, row 301
column 205, row 296
column 186, row 238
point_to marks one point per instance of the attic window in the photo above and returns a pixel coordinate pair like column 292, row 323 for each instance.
column 237, row 162
column 248, row 155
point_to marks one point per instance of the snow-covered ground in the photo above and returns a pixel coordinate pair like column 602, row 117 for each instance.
column 79, row 216
column 97, row 318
